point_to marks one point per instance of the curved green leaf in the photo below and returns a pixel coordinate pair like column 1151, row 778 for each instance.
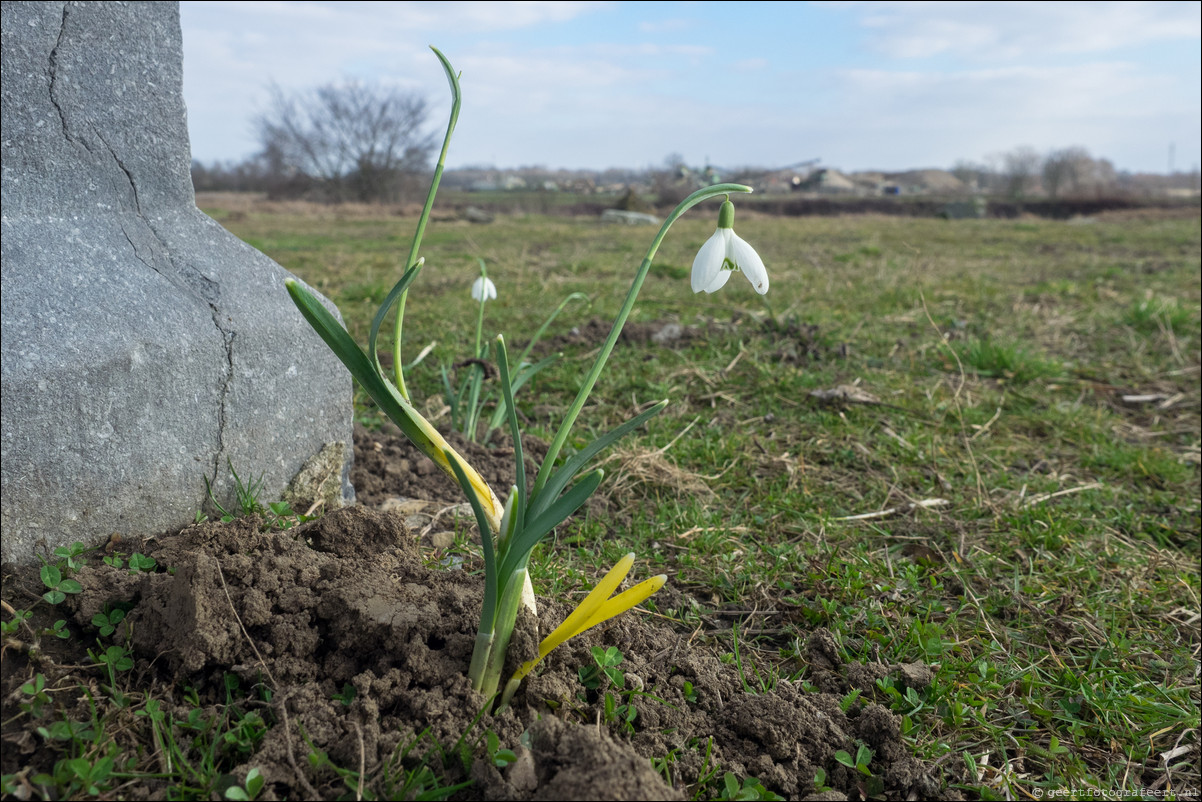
column 640, row 275
column 543, row 498
column 419, row 431
column 378, row 320
column 528, row 536
column 514, row 431
column 415, row 246
column 488, row 614
column 524, row 373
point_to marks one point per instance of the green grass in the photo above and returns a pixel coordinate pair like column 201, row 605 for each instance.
column 993, row 359
column 1066, row 557
column 1153, row 315
column 1054, row 593
column 1043, row 594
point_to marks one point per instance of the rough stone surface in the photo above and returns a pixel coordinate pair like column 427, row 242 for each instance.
column 144, row 347
column 318, row 484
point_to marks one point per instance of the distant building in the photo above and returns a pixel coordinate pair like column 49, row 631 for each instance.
column 911, row 182
column 926, row 182
column 777, row 182
column 828, row 181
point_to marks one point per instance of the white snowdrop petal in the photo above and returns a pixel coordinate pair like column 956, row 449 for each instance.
column 719, row 281
column 483, row 289
column 708, row 263
column 749, row 262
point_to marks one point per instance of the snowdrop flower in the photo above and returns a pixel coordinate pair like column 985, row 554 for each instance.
column 725, row 253
column 483, row 289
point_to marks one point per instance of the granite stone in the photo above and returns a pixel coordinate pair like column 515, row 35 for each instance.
column 144, row 348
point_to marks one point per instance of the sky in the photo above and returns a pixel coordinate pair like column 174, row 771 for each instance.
column 857, row 85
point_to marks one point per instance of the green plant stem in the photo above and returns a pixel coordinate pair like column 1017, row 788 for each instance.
column 507, row 614
column 519, row 514
column 411, row 260
column 477, row 376
column 472, row 419
column 488, row 613
column 565, row 428
column 480, row 655
column 480, row 314
column 546, row 324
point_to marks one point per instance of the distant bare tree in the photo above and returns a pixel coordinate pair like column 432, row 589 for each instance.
column 1072, row 172
column 674, row 182
column 977, row 177
column 356, row 141
column 674, row 163
column 1020, row 168
column 1063, row 170
column 1059, row 170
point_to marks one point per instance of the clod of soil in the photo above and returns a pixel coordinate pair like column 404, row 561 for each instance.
column 347, row 601
column 387, row 466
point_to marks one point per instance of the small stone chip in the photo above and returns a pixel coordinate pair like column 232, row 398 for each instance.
column 319, row 481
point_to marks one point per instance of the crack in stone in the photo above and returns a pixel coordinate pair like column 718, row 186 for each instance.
column 228, row 341
column 183, row 277
column 133, row 185
column 227, row 336
column 53, row 88
column 137, row 255
column 192, row 282
column 62, row 115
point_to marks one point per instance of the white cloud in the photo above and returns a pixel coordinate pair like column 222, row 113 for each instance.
column 408, row 17
column 488, row 15
column 666, row 25
column 751, row 64
column 1026, row 95
column 1018, row 30
column 606, row 97
column 928, row 118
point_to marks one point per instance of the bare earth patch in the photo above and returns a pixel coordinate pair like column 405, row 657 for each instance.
column 348, row 602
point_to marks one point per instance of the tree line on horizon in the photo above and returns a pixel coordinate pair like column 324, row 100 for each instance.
column 357, row 142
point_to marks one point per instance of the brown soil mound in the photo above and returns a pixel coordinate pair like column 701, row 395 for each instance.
column 300, row 615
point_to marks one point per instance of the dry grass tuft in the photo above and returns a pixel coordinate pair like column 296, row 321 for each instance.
column 640, row 469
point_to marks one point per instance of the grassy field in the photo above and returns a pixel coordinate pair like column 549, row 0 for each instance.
column 1002, row 480
column 971, row 444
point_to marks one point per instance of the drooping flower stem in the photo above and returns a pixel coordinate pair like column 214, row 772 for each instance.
column 472, row 418
column 484, row 296
column 508, row 532
column 565, row 428
column 456, row 99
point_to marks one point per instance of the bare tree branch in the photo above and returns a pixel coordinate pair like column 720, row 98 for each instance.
column 356, row 141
